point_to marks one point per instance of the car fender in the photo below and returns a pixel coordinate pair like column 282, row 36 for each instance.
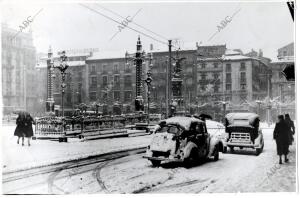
column 188, row 148
column 213, row 143
column 258, row 142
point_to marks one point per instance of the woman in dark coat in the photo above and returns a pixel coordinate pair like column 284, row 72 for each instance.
column 282, row 137
column 291, row 126
column 28, row 127
column 20, row 129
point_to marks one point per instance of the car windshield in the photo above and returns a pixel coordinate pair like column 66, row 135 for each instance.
column 169, row 129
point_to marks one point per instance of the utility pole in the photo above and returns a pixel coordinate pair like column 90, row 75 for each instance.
column 168, row 78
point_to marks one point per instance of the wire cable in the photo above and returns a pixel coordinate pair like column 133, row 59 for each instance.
column 143, row 27
column 122, row 24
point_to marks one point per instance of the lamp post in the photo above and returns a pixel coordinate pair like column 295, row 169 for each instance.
column 139, row 57
column 50, row 98
column 62, row 67
column 177, row 82
column 148, row 81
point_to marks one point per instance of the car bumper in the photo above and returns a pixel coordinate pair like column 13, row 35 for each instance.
column 238, row 144
column 163, row 159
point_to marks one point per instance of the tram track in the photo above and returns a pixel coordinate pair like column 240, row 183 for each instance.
column 27, row 178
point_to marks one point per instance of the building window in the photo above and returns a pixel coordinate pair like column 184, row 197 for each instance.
column 93, row 69
column 94, row 81
column 228, row 67
column 127, row 96
column 116, row 95
column 228, row 87
column 216, row 65
column 127, row 67
column 116, row 68
column 105, row 68
column 127, row 81
column 117, row 81
column 216, row 76
column 243, row 66
column 93, row 96
column 228, row 77
column 243, row 77
column 105, row 81
column 203, row 76
column 203, row 65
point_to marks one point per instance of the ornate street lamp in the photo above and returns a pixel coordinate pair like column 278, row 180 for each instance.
column 148, row 81
column 177, row 84
column 62, row 67
column 139, row 57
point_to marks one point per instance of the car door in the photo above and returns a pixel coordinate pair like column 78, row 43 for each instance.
column 201, row 139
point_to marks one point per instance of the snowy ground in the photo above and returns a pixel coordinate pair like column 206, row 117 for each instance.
column 239, row 172
column 43, row 152
column 242, row 171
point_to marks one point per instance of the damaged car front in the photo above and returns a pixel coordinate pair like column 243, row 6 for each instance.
column 167, row 144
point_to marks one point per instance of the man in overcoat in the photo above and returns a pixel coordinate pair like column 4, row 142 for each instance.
column 282, row 137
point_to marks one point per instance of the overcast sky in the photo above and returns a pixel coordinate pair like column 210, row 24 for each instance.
column 267, row 25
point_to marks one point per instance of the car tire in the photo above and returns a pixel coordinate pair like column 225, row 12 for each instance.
column 155, row 163
column 216, row 153
column 191, row 160
column 231, row 149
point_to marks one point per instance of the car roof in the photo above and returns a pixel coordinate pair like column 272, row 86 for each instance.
column 251, row 117
column 182, row 121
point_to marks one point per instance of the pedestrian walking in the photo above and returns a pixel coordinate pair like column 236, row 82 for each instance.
column 20, row 129
column 291, row 126
column 28, row 127
column 282, row 137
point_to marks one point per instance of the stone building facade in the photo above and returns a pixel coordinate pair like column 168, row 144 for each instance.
column 18, row 71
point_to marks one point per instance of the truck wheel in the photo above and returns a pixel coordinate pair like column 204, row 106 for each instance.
column 216, row 153
column 224, row 149
column 258, row 151
column 231, row 149
column 155, row 163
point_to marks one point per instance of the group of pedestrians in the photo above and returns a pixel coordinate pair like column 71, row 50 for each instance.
column 283, row 134
column 24, row 127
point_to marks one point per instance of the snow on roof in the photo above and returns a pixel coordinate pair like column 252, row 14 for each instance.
column 236, row 57
column 283, row 61
column 43, row 64
column 241, row 116
column 232, row 52
column 107, row 55
column 185, row 122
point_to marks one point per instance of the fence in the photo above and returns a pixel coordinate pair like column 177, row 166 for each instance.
column 84, row 126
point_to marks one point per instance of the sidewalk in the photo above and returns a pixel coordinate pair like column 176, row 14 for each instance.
column 45, row 152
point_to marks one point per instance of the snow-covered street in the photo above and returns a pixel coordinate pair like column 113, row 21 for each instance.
column 241, row 171
column 45, row 152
